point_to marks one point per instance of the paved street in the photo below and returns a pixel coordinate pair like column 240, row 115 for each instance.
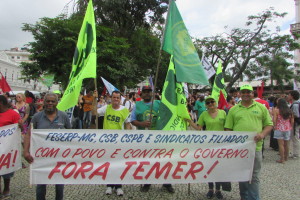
column 278, row 182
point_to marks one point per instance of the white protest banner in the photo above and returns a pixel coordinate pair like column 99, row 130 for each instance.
column 208, row 68
column 10, row 151
column 66, row 156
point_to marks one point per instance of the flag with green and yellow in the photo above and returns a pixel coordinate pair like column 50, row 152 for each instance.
column 178, row 43
column 84, row 60
column 173, row 108
column 47, row 79
column 185, row 66
column 219, row 84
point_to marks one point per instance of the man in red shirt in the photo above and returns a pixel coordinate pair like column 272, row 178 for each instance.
column 259, row 100
column 7, row 117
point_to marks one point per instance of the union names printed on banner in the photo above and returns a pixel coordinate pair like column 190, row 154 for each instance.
column 140, row 156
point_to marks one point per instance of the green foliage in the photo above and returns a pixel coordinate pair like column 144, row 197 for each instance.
column 126, row 16
column 53, row 47
column 127, row 49
column 243, row 50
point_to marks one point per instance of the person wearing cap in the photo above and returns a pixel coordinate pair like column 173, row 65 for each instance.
column 140, row 117
column 249, row 115
column 214, row 120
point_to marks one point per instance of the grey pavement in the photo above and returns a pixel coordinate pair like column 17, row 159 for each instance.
column 278, row 182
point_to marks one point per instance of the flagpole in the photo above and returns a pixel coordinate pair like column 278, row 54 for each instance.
column 157, row 66
column 96, row 120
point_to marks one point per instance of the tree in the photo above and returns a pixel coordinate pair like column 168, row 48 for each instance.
column 53, row 48
column 274, row 63
column 126, row 16
column 140, row 23
column 127, row 52
column 242, row 50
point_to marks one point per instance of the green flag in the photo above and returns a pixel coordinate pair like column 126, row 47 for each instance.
column 47, row 79
column 178, row 43
column 172, row 110
column 84, row 60
column 219, row 84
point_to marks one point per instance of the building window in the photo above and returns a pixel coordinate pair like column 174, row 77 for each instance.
column 12, row 57
column 18, row 57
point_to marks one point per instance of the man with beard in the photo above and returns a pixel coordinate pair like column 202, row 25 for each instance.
column 140, row 117
column 49, row 118
column 249, row 115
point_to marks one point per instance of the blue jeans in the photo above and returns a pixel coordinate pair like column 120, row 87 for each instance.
column 76, row 123
column 250, row 190
column 87, row 118
column 41, row 192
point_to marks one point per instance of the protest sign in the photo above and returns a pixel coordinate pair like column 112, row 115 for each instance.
column 66, row 156
column 208, row 68
column 10, row 151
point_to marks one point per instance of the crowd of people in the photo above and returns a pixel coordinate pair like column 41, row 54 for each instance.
column 244, row 111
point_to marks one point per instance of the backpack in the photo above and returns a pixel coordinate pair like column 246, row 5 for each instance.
column 124, row 103
column 296, row 119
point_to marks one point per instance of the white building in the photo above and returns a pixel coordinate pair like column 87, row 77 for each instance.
column 9, row 67
column 295, row 29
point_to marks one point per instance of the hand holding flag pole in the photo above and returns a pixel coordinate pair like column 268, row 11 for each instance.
column 84, row 61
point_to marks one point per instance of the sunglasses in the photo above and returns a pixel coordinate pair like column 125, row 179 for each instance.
column 209, row 102
column 246, row 91
column 50, row 101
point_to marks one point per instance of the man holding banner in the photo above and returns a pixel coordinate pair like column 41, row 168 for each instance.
column 7, row 117
column 249, row 115
column 140, row 117
column 115, row 117
column 49, row 118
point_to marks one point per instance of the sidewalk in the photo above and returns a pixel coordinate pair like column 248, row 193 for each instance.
column 278, row 182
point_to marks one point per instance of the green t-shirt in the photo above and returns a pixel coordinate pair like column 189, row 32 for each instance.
column 254, row 118
column 114, row 119
column 200, row 107
column 142, row 112
column 213, row 124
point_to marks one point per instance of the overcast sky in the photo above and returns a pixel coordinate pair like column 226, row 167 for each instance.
column 202, row 17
